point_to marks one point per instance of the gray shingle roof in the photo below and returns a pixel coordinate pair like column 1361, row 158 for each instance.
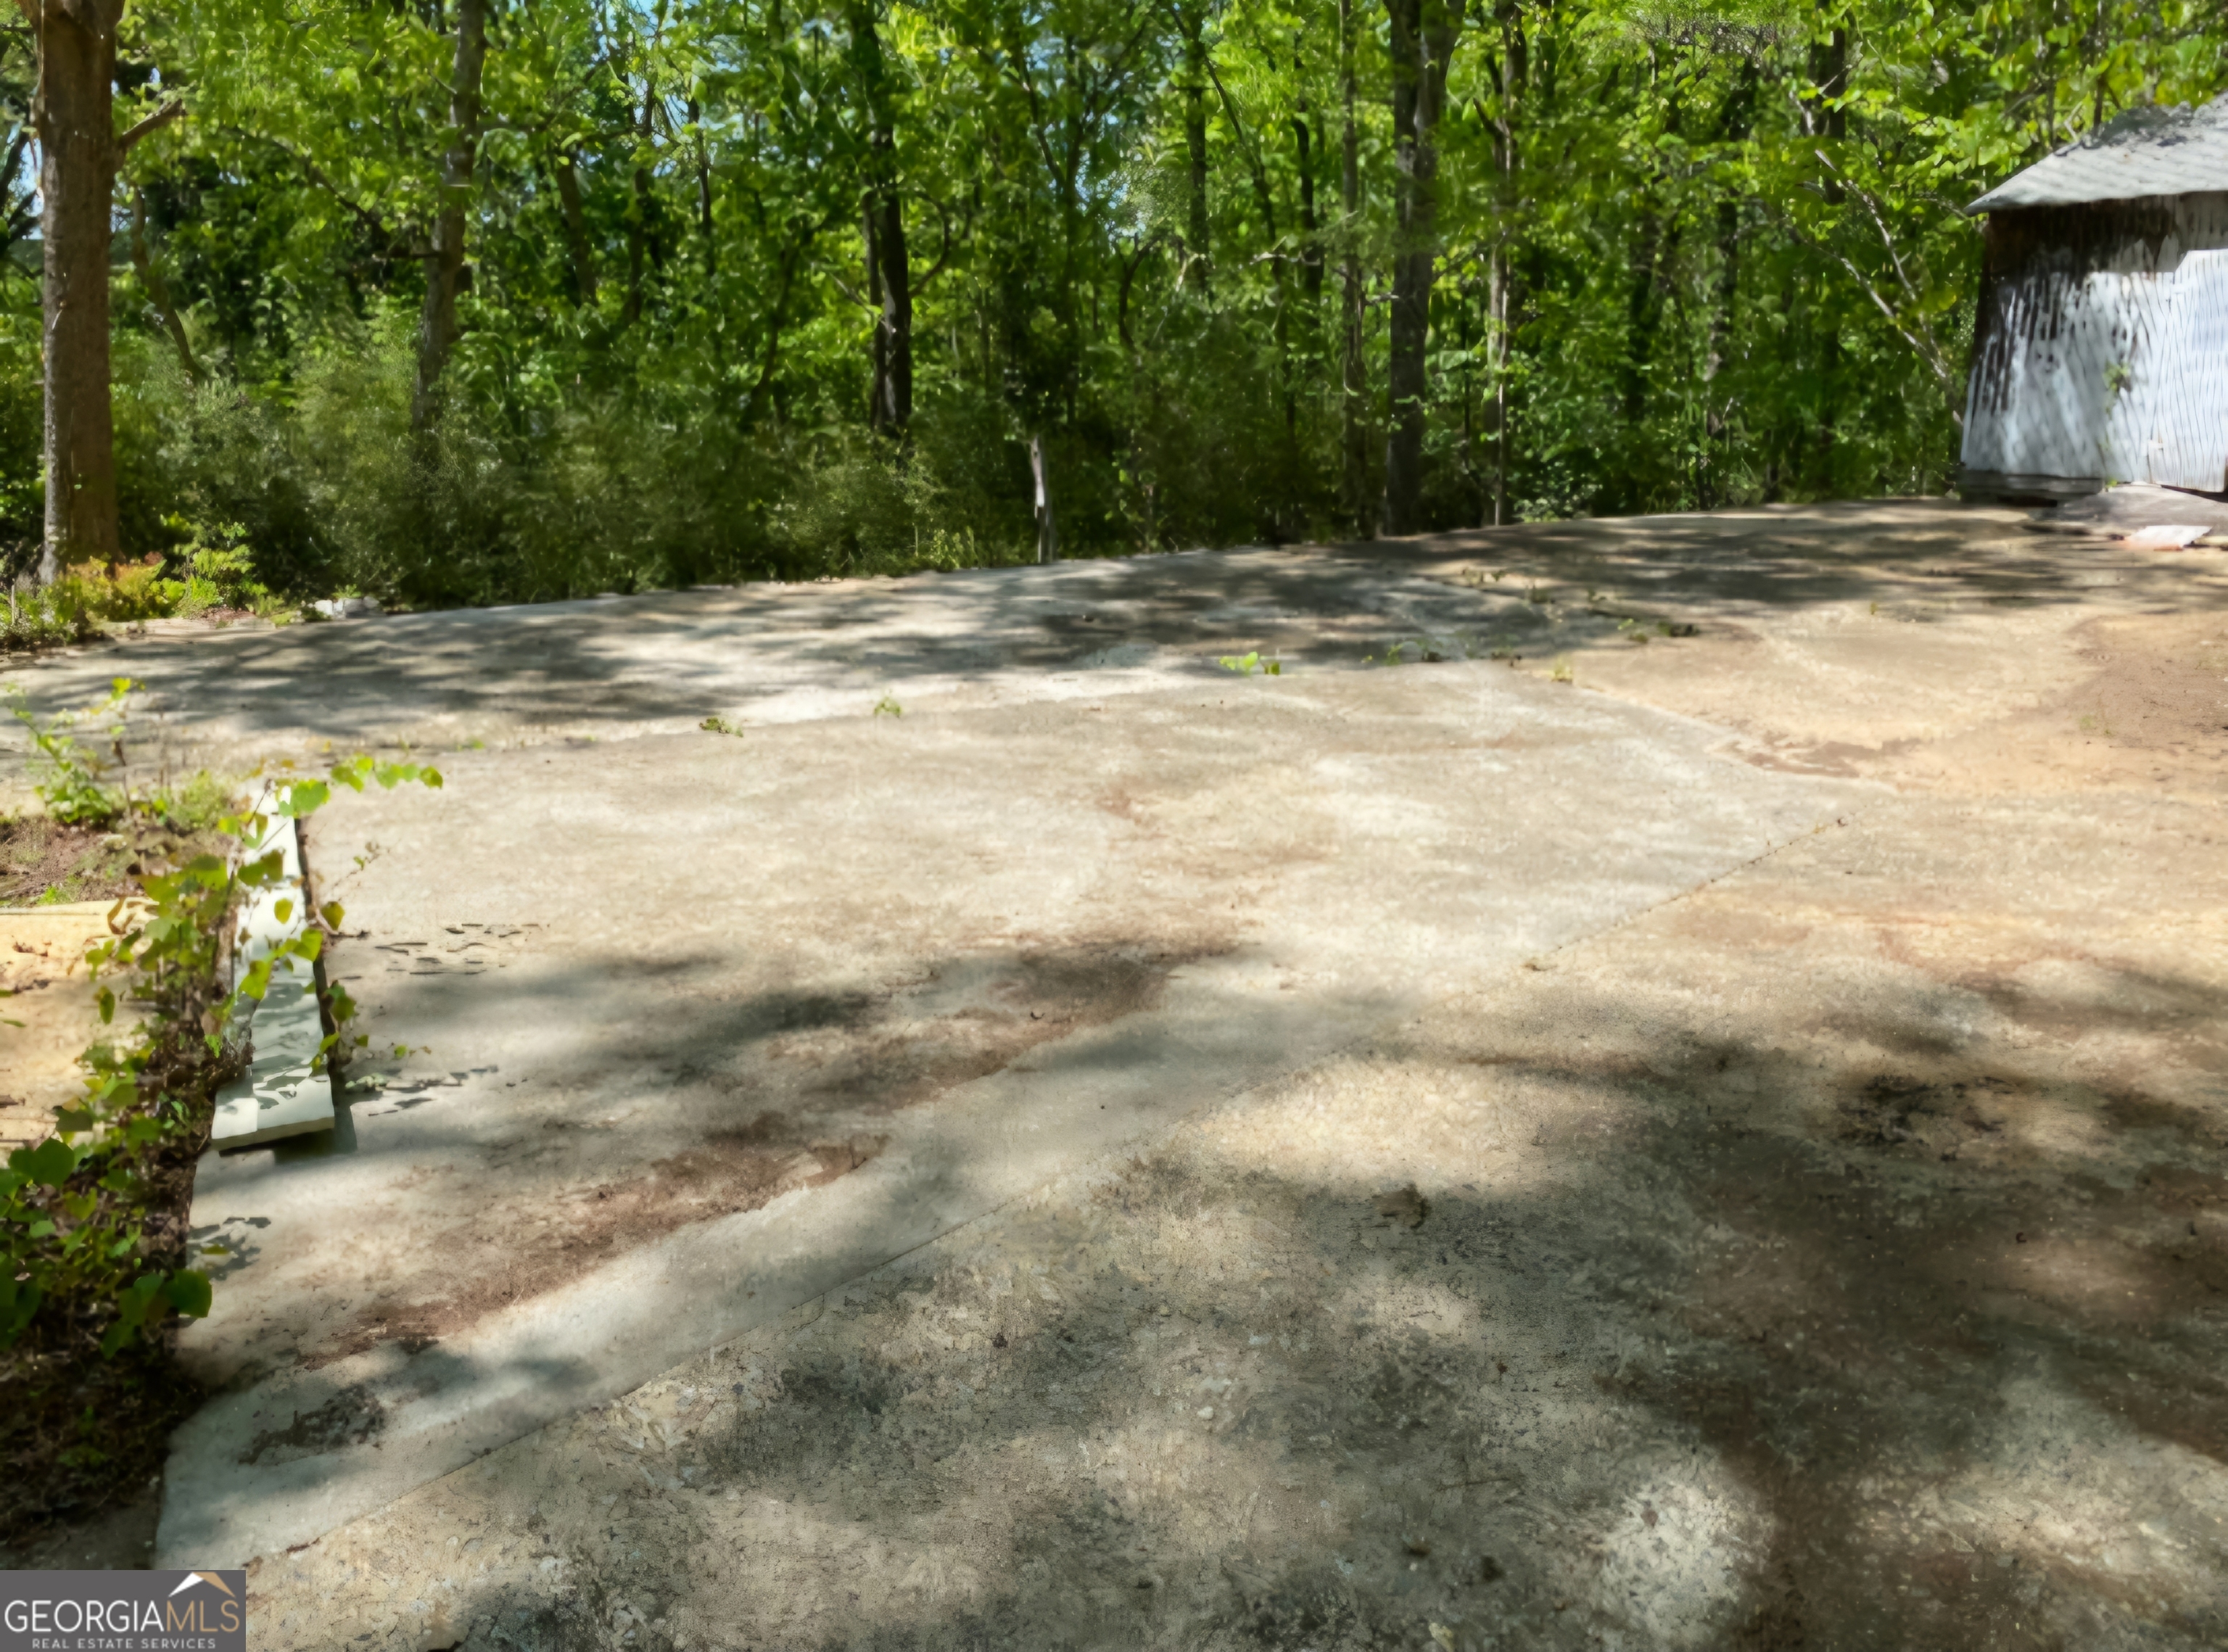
column 2144, row 152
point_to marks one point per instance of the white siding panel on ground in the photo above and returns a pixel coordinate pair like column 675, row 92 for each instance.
column 2108, row 358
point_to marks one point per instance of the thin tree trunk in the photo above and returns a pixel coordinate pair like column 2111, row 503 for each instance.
column 638, row 214
column 1654, row 252
column 73, row 111
column 704, row 199
column 1501, row 298
column 1496, row 409
column 1353, row 371
column 894, row 407
column 576, row 231
column 1311, row 252
column 1047, row 530
column 1717, row 422
column 1424, row 33
column 158, row 290
column 889, row 261
column 1198, row 269
column 447, row 275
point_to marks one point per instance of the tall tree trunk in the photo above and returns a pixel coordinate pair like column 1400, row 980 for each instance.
column 1424, row 33
column 889, row 273
column 1353, row 369
column 576, row 231
column 447, row 275
column 75, row 113
column 1198, row 271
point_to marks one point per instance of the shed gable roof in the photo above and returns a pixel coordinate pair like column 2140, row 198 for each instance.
column 2146, row 151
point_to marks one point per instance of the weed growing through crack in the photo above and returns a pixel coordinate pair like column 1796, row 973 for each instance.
column 718, row 724
column 1397, row 654
column 1560, row 672
column 1247, row 664
column 888, row 706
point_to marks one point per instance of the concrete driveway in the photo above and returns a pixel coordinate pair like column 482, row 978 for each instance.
column 920, row 1179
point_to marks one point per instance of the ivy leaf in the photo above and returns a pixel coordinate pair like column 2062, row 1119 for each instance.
column 305, row 798
column 257, row 982
column 188, row 1291
column 48, row 1164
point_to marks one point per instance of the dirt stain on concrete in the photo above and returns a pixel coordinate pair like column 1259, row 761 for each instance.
column 351, row 1416
column 1011, row 1007
column 507, row 1255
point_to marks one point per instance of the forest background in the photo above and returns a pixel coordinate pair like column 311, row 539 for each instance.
column 453, row 301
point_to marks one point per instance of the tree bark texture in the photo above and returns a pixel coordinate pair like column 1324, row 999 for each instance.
column 1424, row 33
column 74, row 114
column 448, row 274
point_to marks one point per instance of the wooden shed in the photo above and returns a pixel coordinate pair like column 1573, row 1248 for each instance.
column 2100, row 349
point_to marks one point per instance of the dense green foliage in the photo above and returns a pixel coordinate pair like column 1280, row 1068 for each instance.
column 1688, row 257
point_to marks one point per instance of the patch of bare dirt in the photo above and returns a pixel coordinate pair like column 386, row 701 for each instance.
column 43, row 861
column 2150, row 713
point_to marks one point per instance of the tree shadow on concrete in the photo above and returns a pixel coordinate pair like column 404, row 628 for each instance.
column 1717, row 1345
column 668, row 659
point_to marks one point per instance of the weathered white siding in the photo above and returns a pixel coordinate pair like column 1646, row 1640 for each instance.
column 2101, row 347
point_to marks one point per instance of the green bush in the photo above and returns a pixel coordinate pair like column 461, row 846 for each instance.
column 48, row 616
